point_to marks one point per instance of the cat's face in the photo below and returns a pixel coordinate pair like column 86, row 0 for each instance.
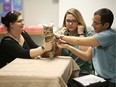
column 48, row 33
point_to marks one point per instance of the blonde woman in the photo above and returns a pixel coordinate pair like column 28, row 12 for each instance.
column 74, row 25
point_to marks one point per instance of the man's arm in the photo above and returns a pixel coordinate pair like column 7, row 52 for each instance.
column 81, row 41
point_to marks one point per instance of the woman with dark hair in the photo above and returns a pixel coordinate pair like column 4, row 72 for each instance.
column 17, row 42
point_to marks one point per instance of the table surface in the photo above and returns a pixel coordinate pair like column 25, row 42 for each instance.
column 42, row 72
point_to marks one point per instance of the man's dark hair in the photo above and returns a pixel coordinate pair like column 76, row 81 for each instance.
column 106, row 15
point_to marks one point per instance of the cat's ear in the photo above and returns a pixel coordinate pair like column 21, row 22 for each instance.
column 51, row 25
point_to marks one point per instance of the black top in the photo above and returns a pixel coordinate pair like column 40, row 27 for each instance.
column 11, row 49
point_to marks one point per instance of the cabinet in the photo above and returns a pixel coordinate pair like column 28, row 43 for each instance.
column 33, row 30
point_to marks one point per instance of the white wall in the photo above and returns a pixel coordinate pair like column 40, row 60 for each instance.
column 40, row 12
column 47, row 11
column 87, row 8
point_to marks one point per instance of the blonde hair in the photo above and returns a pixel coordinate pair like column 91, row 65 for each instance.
column 76, row 13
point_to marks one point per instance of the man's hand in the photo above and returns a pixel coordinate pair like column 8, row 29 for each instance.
column 61, row 44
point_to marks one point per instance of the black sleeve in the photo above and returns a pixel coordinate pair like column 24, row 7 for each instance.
column 29, row 40
column 12, row 48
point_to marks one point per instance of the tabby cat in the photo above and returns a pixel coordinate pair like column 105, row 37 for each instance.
column 49, row 36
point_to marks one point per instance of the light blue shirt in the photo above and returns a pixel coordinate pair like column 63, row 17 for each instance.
column 104, row 59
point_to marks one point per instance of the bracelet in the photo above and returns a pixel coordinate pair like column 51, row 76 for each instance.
column 61, row 36
column 43, row 48
column 81, row 34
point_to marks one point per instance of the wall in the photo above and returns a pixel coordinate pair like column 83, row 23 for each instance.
column 87, row 8
column 37, row 12
column 44, row 12
column 40, row 12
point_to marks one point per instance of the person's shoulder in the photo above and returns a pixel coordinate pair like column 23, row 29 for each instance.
column 112, row 30
column 6, row 38
column 89, row 33
column 109, row 32
column 25, row 34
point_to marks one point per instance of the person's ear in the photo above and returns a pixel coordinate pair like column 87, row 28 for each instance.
column 11, row 25
column 106, row 25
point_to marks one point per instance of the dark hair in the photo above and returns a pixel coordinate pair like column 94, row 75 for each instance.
column 10, row 17
column 106, row 15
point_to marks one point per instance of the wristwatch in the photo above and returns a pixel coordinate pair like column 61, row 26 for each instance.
column 43, row 48
column 61, row 36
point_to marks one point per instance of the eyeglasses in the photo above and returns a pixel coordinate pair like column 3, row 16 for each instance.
column 71, row 21
column 96, row 23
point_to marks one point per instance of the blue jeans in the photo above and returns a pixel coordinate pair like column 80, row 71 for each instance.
column 111, row 84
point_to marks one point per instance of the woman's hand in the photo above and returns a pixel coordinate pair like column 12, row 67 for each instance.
column 63, row 30
column 80, row 29
column 48, row 45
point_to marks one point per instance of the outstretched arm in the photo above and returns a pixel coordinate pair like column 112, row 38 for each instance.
column 84, row 55
column 81, row 41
